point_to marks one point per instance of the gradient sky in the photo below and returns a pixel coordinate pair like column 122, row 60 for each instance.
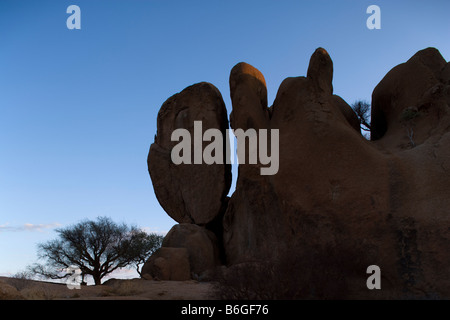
column 78, row 107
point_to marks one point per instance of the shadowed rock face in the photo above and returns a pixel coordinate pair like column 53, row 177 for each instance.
column 420, row 85
column 382, row 202
column 190, row 193
column 332, row 186
column 202, row 246
column 168, row 264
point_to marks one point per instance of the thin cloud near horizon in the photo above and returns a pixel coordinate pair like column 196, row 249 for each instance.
column 30, row 227
column 154, row 230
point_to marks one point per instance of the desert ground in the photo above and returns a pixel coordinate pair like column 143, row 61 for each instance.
column 114, row 289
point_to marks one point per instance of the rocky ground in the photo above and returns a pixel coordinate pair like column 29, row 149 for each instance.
column 115, row 289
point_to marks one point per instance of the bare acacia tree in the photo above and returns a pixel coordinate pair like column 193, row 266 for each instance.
column 362, row 110
column 97, row 248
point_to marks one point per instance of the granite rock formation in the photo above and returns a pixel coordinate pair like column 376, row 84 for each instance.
column 190, row 193
column 168, row 264
column 201, row 244
column 381, row 202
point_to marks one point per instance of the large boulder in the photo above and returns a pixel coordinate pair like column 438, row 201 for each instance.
column 411, row 97
column 190, row 193
column 201, row 244
column 368, row 202
column 168, row 264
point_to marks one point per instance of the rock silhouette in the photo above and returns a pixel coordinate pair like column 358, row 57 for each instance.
column 168, row 264
column 381, row 202
column 190, row 193
column 202, row 246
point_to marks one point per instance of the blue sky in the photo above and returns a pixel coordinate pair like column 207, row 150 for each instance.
column 78, row 107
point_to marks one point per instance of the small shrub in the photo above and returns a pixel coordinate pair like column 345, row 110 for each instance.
column 407, row 117
column 127, row 288
column 409, row 114
column 21, row 280
column 121, row 288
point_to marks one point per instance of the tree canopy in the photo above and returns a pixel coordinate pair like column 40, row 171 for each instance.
column 97, row 248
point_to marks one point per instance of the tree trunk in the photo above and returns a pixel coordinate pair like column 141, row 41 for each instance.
column 96, row 274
